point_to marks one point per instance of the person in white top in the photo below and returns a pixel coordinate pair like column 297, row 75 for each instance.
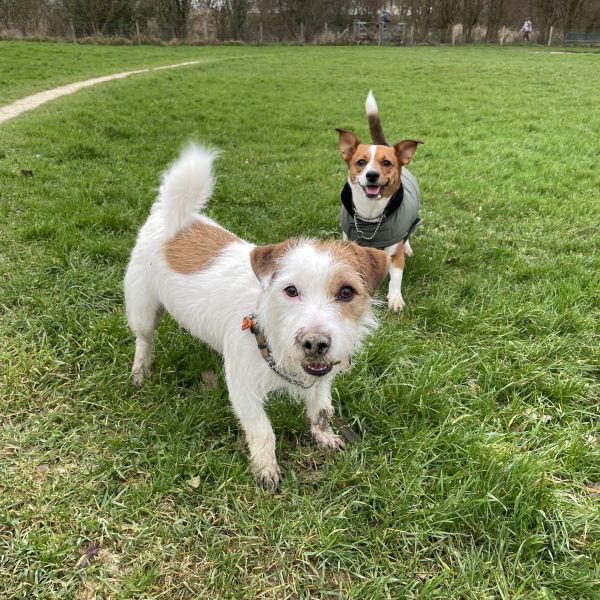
column 527, row 29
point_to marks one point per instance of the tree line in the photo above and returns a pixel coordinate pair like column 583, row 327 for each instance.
column 295, row 20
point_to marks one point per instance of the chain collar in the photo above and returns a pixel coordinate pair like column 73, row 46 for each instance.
column 250, row 323
column 379, row 220
column 390, row 208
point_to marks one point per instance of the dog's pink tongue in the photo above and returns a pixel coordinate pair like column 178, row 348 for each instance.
column 372, row 190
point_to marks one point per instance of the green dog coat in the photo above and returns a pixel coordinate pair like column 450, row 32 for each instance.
column 400, row 216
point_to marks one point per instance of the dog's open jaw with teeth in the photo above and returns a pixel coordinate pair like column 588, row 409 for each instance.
column 310, row 300
column 374, row 177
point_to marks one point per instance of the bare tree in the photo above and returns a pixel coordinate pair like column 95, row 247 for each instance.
column 173, row 15
column 282, row 19
column 471, row 13
column 546, row 14
column 495, row 15
column 448, row 12
column 100, row 16
column 422, row 15
column 236, row 13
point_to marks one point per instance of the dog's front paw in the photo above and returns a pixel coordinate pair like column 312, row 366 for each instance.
column 395, row 301
column 139, row 373
column 327, row 440
column 269, row 478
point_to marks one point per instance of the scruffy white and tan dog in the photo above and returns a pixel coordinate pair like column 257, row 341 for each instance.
column 287, row 315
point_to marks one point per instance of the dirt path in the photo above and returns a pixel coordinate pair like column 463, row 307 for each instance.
column 10, row 111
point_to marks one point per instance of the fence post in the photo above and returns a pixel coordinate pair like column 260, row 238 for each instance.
column 453, row 35
column 260, row 32
column 72, row 30
column 205, row 29
column 302, row 33
column 326, row 32
column 137, row 30
column 412, row 35
column 550, row 36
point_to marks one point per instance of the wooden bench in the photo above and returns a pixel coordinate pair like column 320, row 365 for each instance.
column 575, row 37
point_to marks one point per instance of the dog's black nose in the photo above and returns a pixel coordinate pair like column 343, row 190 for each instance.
column 315, row 344
column 372, row 176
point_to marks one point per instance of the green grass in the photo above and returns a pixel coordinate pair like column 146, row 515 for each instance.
column 477, row 473
column 29, row 67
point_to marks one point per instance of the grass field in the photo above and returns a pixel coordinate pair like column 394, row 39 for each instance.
column 29, row 67
column 478, row 471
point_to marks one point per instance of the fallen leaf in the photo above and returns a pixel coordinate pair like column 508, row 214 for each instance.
column 593, row 488
column 474, row 387
column 92, row 550
column 351, row 436
column 535, row 416
column 194, row 482
column 26, row 172
column 211, row 381
column 452, row 260
column 591, row 439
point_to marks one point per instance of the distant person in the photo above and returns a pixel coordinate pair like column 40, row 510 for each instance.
column 527, row 29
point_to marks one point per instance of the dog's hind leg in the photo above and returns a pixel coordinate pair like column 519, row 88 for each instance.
column 320, row 410
column 408, row 251
column 143, row 313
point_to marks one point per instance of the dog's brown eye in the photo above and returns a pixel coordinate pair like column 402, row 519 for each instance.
column 291, row 291
column 346, row 293
column 361, row 163
column 386, row 163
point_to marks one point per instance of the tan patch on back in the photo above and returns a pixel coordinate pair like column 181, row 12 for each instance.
column 193, row 249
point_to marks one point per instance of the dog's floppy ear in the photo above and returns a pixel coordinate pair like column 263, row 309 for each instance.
column 405, row 150
column 375, row 265
column 348, row 144
column 264, row 259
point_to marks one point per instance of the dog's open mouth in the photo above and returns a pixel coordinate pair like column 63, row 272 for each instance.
column 318, row 369
column 372, row 191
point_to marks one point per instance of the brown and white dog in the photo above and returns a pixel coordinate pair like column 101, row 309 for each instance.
column 381, row 199
column 305, row 305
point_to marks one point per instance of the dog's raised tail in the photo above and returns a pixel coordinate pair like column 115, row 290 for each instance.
column 187, row 186
column 377, row 134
